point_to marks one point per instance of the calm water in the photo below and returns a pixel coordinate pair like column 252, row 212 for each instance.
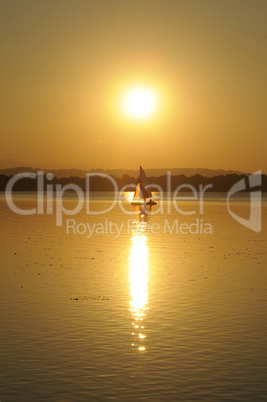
column 139, row 309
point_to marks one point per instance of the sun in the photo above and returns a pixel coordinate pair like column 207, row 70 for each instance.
column 139, row 103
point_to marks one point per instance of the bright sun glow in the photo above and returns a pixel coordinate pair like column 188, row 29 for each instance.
column 140, row 103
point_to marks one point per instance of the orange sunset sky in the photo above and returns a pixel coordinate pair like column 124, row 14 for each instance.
column 68, row 66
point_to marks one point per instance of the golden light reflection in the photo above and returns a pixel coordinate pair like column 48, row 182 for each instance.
column 138, row 276
column 128, row 195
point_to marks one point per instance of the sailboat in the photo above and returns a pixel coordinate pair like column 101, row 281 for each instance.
column 142, row 195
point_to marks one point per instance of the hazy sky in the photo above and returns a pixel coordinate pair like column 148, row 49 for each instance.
column 65, row 65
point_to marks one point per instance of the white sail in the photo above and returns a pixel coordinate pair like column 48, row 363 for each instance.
column 144, row 181
column 142, row 194
column 137, row 192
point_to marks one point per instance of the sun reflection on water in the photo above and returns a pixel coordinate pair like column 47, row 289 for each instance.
column 138, row 277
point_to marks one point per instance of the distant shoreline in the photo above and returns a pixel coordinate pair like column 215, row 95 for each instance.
column 240, row 194
column 221, row 184
column 154, row 172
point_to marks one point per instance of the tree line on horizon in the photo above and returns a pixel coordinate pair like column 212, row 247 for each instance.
column 221, row 183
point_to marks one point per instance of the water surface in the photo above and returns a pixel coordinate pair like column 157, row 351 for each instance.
column 149, row 313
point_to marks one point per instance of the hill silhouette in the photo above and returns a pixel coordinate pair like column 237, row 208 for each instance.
column 221, row 183
column 61, row 173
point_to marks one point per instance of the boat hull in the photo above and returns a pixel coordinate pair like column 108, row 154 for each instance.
column 143, row 203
